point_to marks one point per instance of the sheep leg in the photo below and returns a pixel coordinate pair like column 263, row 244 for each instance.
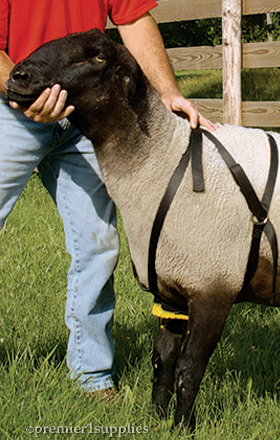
column 205, row 328
column 165, row 355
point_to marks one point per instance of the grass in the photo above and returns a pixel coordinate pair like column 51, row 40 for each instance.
column 257, row 84
column 238, row 397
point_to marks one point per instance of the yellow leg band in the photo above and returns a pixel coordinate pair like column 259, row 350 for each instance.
column 160, row 313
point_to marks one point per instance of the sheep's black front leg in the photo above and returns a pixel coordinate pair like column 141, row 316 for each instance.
column 205, row 328
column 166, row 351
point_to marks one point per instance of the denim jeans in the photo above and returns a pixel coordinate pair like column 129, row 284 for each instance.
column 69, row 170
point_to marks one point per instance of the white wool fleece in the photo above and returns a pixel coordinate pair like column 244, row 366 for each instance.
column 206, row 237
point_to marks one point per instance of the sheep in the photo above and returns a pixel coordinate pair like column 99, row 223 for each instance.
column 204, row 245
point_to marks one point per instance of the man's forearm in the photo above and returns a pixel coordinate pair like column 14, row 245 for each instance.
column 6, row 65
column 143, row 40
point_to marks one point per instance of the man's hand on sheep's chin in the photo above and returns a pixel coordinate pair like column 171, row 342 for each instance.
column 178, row 104
column 49, row 107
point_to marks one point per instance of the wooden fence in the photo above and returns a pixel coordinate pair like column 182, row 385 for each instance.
column 231, row 57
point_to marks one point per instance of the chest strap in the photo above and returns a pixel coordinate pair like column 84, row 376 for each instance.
column 258, row 208
column 195, row 144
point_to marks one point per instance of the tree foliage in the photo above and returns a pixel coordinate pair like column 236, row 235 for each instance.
column 208, row 32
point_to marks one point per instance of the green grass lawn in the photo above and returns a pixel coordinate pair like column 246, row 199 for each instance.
column 238, row 397
column 257, row 84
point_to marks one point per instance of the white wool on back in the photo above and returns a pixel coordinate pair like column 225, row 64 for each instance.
column 206, row 237
column 211, row 231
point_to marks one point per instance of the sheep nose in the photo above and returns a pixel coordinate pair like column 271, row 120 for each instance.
column 20, row 75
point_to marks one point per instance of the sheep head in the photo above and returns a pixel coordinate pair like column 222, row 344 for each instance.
column 81, row 63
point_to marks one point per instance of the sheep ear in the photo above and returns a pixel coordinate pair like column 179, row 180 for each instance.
column 127, row 76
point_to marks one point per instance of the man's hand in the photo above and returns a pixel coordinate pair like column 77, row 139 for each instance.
column 49, row 107
column 178, row 104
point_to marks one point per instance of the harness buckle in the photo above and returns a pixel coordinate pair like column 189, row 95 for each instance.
column 257, row 222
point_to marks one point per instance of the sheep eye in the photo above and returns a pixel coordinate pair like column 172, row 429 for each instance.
column 100, row 58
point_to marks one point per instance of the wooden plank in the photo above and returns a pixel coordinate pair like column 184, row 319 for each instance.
column 254, row 114
column 260, row 55
column 261, row 114
column 232, row 61
column 211, row 109
column 254, row 55
column 192, row 58
column 179, row 10
column 260, row 6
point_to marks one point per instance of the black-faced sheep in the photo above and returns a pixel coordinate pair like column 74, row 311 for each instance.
column 205, row 241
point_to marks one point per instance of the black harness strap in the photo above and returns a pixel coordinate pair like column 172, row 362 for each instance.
column 160, row 216
column 194, row 150
column 258, row 209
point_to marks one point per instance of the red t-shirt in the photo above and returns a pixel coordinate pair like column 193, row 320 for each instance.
column 26, row 24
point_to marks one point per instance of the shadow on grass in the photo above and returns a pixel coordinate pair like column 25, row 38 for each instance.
column 261, row 84
column 198, row 85
column 34, row 352
column 250, row 347
column 133, row 344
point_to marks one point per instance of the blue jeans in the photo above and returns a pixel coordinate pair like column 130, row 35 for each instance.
column 69, row 170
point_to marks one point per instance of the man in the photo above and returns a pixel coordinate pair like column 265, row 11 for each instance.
column 41, row 136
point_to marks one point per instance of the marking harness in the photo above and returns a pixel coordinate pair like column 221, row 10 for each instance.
column 259, row 209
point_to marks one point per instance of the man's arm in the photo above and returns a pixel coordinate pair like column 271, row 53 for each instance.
column 143, row 39
column 48, row 107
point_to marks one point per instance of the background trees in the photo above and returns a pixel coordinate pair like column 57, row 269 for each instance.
column 208, row 32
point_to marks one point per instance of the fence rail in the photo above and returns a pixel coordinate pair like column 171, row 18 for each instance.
column 231, row 56
column 254, row 55
column 178, row 10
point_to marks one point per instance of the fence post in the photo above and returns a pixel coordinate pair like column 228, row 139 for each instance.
column 231, row 24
